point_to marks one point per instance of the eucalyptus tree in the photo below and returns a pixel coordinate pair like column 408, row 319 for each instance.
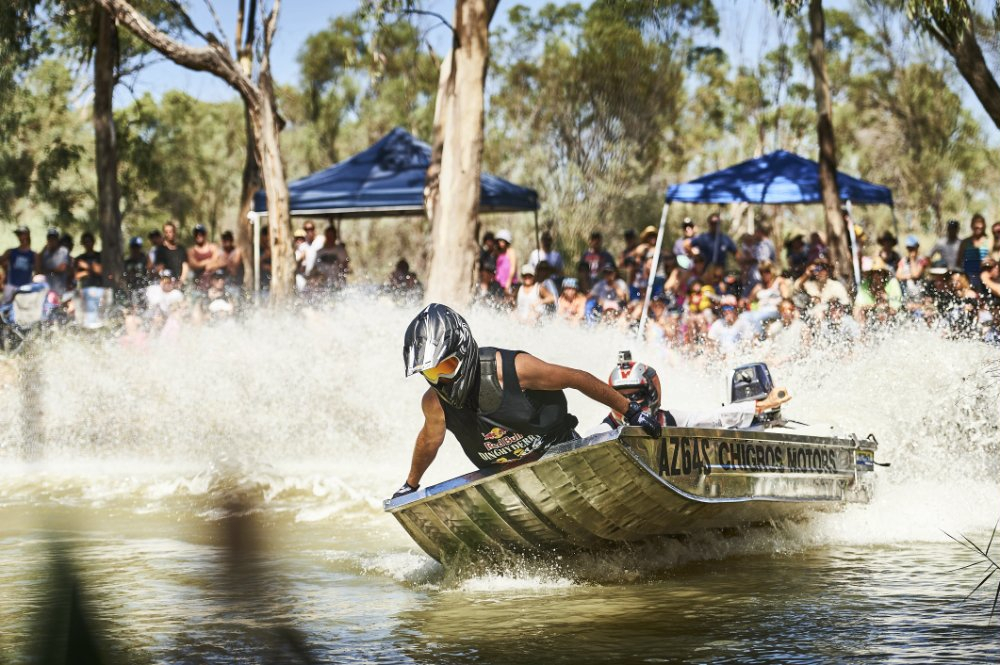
column 248, row 72
column 451, row 192
column 958, row 27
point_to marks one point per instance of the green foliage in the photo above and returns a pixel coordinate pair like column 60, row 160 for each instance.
column 359, row 79
column 588, row 103
column 43, row 158
column 181, row 159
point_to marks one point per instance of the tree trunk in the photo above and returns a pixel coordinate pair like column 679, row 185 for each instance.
column 836, row 238
column 259, row 100
column 106, row 147
column 279, row 219
column 250, row 184
column 453, row 235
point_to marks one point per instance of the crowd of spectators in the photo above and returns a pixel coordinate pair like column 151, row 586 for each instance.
column 709, row 291
column 161, row 284
column 713, row 293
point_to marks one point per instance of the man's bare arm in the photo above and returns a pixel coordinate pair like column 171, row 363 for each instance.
column 535, row 374
column 429, row 439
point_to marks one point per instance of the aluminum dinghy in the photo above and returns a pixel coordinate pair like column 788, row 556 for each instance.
column 626, row 486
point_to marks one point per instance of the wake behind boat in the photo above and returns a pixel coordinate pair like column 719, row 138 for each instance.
column 623, row 485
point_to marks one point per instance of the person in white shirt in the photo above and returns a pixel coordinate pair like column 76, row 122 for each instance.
column 532, row 297
column 946, row 249
column 163, row 297
column 547, row 254
column 729, row 332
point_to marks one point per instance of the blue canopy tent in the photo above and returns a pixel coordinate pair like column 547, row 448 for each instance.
column 776, row 178
column 387, row 180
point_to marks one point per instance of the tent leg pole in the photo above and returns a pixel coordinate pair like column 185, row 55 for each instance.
column 853, row 238
column 652, row 272
column 538, row 241
column 255, row 222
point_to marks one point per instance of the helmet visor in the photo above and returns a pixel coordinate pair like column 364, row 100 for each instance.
column 446, row 369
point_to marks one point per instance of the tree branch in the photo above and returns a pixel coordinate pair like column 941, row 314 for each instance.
column 218, row 23
column 214, row 58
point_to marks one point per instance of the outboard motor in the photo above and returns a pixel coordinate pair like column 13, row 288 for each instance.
column 749, row 383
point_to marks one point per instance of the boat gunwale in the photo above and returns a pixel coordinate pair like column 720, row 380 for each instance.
column 565, row 448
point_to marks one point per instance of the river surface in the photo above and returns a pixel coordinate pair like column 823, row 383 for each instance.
column 217, row 497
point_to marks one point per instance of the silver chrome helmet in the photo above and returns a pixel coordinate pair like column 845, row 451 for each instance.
column 435, row 335
column 628, row 375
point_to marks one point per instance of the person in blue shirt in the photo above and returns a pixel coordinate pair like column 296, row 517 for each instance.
column 714, row 245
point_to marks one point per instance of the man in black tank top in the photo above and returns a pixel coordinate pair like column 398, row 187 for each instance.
column 501, row 405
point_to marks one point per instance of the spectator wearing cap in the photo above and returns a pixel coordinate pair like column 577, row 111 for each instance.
column 202, row 258
column 18, row 263
column 878, row 288
column 170, row 255
column 944, row 253
column 609, row 293
column 54, row 263
column 300, row 249
column 487, row 291
column 218, row 304
column 532, row 298
column 973, row 250
column 135, row 275
column 728, row 333
column 572, row 304
column 88, row 268
column 547, row 254
column 910, row 272
column 819, row 288
column 715, row 245
column 592, row 260
column 683, row 244
column 661, row 323
column 163, row 298
column 887, row 250
column 506, row 259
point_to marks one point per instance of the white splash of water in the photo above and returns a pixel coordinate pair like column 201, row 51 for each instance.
column 310, row 412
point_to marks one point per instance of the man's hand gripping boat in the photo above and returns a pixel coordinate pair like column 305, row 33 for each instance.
column 626, row 486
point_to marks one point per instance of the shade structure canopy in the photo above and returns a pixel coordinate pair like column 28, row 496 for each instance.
column 778, row 178
column 388, row 179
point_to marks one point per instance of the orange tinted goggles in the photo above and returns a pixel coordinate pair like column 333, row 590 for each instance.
column 446, row 369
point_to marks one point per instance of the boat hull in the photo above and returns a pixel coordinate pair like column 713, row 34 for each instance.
column 625, row 486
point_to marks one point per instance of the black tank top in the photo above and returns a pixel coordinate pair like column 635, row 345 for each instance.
column 507, row 423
